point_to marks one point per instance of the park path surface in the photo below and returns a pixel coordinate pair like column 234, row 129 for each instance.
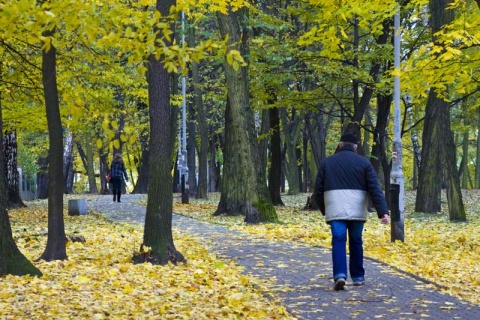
column 301, row 274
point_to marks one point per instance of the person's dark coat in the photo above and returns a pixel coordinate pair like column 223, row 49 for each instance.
column 344, row 182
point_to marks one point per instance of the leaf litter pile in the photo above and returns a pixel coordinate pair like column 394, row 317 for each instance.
column 443, row 252
column 98, row 281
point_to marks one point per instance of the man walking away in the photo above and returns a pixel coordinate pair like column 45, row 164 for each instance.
column 344, row 183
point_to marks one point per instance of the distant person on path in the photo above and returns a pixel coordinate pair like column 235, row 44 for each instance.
column 117, row 173
column 343, row 185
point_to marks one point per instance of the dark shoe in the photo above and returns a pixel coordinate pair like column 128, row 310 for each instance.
column 358, row 283
column 339, row 284
column 114, row 199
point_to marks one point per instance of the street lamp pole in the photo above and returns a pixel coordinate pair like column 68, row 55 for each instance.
column 184, row 171
column 397, row 177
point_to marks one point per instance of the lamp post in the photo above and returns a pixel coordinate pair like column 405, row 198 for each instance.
column 184, row 164
column 397, row 177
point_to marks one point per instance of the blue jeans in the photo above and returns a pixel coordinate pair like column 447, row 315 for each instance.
column 339, row 230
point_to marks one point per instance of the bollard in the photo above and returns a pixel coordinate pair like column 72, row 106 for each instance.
column 396, row 220
column 394, row 202
column 77, row 207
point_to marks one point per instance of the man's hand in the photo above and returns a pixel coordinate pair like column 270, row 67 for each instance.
column 385, row 219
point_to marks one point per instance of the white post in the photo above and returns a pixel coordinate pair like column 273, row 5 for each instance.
column 397, row 176
column 184, row 173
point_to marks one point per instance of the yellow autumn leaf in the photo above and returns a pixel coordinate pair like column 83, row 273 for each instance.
column 127, row 289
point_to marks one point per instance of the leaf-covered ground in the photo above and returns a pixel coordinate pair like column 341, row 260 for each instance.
column 98, row 281
column 440, row 251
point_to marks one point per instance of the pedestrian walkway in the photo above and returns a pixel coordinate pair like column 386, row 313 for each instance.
column 301, row 274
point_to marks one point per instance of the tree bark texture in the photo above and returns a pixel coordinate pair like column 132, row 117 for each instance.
column 11, row 170
column 275, row 170
column 56, row 240
column 158, row 219
column 243, row 189
column 441, row 16
column 456, row 209
column 263, row 143
column 429, row 175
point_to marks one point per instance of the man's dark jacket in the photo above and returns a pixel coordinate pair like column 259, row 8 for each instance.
column 344, row 183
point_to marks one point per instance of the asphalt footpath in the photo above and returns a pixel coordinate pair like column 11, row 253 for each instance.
column 301, row 275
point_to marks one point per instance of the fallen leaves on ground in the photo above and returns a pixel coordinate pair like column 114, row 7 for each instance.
column 435, row 249
column 98, row 281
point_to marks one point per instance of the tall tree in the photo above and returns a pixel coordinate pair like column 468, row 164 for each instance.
column 243, row 188
column 158, row 220
column 437, row 131
column 56, row 240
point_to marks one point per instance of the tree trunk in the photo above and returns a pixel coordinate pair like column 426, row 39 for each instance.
column 11, row 170
column 42, row 178
column 477, row 162
column 263, row 144
column 417, row 152
column 317, row 132
column 68, row 163
column 202, row 187
column 215, row 167
column 464, row 167
column 245, row 190
column 429, row 175
column 191, row 152
column 292, row 133
column 158, row 219
column 379, row 153
column 361, row 107
column 275, row 171
column 456, row 208
column 104, row 169
column 142, row 163
column 82, row 154
column 441, row 138
column 92, row 181
column 56, row 240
